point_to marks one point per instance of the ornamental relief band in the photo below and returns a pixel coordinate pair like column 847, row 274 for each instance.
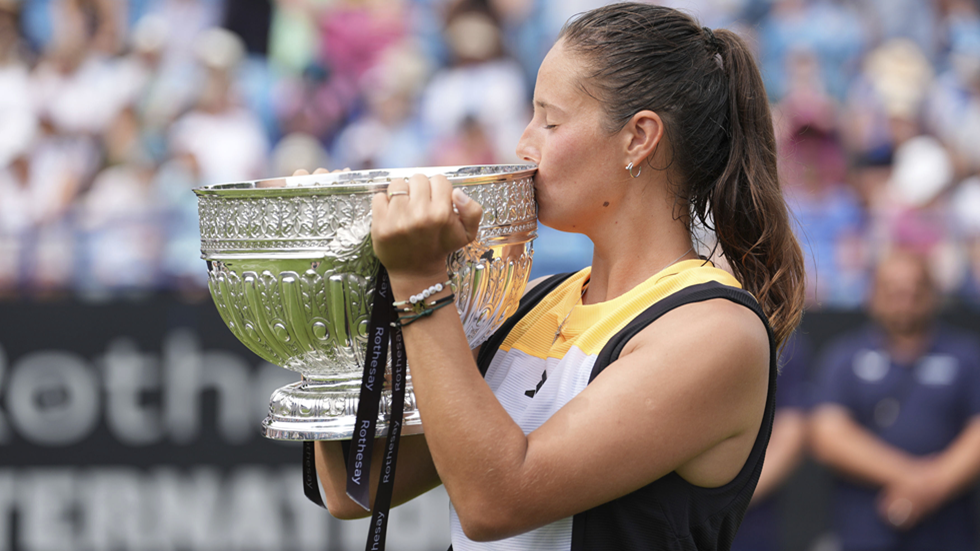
column 234, row 224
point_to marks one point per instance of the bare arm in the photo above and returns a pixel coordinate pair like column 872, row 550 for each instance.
column 934, row 481
column 841, row 443
column 959, row 464
column 784, row 453
column 415, row 475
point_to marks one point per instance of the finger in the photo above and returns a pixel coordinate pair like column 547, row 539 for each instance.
column 899, row 512
column 301, row 172
column 419, row 189
column 442, row 196
column 398, row 188
column 470, row 213
column 321, row 171
column 379, row 212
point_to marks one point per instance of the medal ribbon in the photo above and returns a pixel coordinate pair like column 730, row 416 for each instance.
column 372, row 381
column 381, row 330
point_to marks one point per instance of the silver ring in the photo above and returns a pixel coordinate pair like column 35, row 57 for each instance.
column 394, row 193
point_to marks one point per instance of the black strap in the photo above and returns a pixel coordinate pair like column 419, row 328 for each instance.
column 372, row 381
column 695, row 293
column 382, row 499
column 359, row 452
column 311, row 487
column 528, row 302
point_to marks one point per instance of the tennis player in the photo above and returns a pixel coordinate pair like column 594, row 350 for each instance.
column 626, row 406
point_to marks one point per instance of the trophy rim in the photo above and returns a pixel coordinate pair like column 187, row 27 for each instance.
column 364, row 181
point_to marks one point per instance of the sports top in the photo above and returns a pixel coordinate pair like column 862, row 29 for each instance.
column 533, row 374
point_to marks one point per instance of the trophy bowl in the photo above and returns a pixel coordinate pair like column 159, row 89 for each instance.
column 291, row 270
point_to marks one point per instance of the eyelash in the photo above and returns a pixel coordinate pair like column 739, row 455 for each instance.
column 549, row 126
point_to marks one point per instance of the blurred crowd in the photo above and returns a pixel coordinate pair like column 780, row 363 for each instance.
column 111, row 111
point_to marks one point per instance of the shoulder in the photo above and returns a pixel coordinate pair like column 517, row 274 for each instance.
column 535, row 282
column 958, row 342
column 718, row 333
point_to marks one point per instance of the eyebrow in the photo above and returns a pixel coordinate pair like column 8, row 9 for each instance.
column 545, row 105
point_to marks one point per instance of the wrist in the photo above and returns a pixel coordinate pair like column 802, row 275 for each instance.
column 900, row 470
column 939, row 478
column 404, row 286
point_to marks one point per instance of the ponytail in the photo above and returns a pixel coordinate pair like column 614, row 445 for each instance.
column 747, row 207
column 708, row 91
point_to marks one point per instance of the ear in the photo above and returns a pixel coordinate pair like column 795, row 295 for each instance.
column 644, row 133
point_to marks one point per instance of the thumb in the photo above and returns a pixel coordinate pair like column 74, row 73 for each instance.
column 470, row 213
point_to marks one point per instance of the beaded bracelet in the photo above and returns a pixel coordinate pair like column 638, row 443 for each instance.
column 416, row 314
column 416, row 303
column 419, row 307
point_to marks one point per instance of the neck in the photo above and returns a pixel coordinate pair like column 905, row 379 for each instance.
column 636, row 241
column 908, row 347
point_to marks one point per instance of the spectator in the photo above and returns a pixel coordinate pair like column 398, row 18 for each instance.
column 405, row 83
column 389, row 133
column 227, row 141
column 966, row 212
column 898, row 419
column 829, row 218
column 123, row 235
column 953, row 108
column 17, row 113
column 483, row 95
column 829, row 31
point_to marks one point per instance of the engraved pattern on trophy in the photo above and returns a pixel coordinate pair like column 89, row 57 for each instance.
column 291, row 271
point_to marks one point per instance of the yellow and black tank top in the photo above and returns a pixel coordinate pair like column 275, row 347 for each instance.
column 533, row 373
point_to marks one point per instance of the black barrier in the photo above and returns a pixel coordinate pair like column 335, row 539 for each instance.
column 134, row 425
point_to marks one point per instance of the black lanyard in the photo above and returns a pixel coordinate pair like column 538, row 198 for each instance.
column 359, row 459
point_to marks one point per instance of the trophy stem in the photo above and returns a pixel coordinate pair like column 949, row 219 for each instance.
column 326, row 409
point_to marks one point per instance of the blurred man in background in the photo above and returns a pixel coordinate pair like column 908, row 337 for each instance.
column 898, row 418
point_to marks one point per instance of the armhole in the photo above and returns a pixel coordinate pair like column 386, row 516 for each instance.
column 695, row 293
column 700, row 293
column 530, row 299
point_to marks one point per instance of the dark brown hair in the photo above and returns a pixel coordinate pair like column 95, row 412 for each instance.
column 707, row 89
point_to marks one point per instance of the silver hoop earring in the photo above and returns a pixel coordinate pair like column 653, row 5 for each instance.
column 639, row 169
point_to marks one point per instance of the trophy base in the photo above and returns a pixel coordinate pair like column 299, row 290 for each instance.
column 324, row 410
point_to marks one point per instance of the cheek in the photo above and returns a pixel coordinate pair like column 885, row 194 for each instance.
column 563, row 152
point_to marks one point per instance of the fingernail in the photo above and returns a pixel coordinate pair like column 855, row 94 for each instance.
column 459, row 197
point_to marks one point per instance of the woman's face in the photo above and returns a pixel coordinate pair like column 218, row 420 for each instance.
column 579, row 161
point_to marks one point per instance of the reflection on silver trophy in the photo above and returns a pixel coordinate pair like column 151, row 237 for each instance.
column 291, row 270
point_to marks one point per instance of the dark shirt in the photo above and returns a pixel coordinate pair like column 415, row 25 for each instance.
column 920, row 408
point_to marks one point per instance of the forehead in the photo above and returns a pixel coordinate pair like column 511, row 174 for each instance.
column 902, row 270
column 560, row 79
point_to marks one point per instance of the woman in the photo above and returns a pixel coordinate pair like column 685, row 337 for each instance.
column 627, row 406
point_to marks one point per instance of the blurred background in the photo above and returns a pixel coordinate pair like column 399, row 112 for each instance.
column 129, row 414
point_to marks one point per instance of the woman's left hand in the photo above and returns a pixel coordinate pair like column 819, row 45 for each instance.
column 415, row 225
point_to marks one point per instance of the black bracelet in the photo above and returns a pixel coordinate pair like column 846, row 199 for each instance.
column 406, row 320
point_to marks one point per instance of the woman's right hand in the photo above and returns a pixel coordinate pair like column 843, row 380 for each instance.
column 416, row 473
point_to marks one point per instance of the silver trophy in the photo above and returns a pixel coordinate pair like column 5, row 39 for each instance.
column 291, row 270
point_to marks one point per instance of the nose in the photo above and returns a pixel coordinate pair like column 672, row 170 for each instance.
column 527, row 149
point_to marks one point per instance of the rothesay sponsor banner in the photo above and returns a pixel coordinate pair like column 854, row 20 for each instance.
column 134, row 425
